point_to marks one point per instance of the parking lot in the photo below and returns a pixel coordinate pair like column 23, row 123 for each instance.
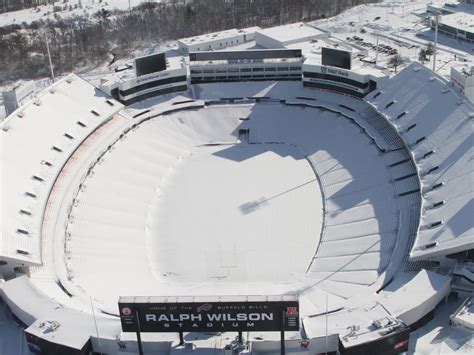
column 381, row 48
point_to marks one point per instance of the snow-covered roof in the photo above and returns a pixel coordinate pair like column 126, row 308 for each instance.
column 464, row 315
column 291, row 33
column 373, row 316
column 215, row 36
column 172, row 64
column 358, row 67
column 461, row 20
column 436, row 124
column 36, row 140
column 49, row 320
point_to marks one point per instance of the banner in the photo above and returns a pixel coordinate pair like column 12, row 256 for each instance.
column 209, row 316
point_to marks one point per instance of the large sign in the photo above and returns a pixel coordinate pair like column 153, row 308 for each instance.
column 208, row 316
column 334, row 71
column 336, row 58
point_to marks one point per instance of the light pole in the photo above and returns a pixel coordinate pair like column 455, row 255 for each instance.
column 376, row 47
column 49, row 55
column 435, row 42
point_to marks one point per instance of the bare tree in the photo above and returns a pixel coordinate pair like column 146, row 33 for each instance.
column 395, row 61
column 430, row 49
column 422, row 57
column 82, row 42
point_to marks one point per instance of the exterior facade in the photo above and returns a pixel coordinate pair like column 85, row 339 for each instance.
column 457, row 25
column 337, row 79
column 218, row 40
column 134, row 89
column 17, row 95
column 462, row 78
column 252, row 65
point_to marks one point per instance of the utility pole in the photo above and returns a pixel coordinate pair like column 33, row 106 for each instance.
column 95, row 322
column 436, row 41
column 377, row 47
column 49, row 55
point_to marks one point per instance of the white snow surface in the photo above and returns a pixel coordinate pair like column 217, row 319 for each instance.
column 49, row 124
column 442, row 120
column 44, row 12
column 141, row 194
column 121, row 205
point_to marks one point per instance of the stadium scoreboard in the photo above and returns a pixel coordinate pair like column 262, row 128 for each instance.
column 336, row 58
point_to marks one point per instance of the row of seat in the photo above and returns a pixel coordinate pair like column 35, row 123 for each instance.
column 436, row 124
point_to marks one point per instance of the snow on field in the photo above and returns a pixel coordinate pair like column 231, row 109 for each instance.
column 47, row 11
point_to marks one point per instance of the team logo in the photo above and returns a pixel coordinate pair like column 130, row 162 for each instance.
column 205, row 307
column 324, row 70
column 126, row 311
column 293, row 311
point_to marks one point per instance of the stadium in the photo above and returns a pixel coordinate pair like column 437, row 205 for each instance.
column 203, row 179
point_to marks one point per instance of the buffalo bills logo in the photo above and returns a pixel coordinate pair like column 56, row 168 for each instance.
column 205, row 307
column 126, row 311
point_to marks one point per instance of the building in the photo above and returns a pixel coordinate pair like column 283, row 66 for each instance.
column 464, row 315
column 462, row 78
column 451, row 7
column 459, row 25
column 249, row 65
column 130, row 88
column 17, row 95
column 357, row 81
column 218, row 40
column 282, row 36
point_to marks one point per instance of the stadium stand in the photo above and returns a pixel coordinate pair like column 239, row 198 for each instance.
column 436, row 125
column 391, row 184
column 71, row 109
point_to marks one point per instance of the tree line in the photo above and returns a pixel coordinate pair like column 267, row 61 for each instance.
column 86, row 41
column 15, row 5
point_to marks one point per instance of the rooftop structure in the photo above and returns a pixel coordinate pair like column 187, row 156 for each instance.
column 282, row 36
column 218, row 40
column 459, row 25
column 462, row 78
column 128, row 88
column 451, row 7
column 17, row 95
column 464, row 315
